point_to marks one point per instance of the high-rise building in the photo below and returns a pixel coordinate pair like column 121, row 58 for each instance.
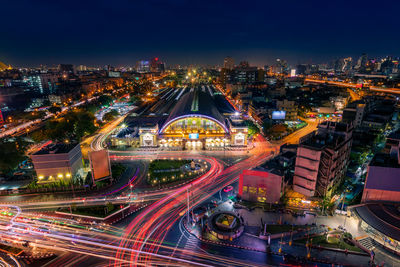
column 143, row 66
column 343, row 64
column 43, row 83
column 362, row 61
column 156, row 65
column 322, row 159
column 229, row 63
column 354, row 113
column 289, row 107
column 81, row 68
column 66, row 68
column 347, row 63
column 280, row 66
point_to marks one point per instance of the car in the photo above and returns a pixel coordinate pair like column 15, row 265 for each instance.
column 228, row 188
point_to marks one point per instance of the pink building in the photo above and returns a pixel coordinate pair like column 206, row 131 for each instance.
column 383, row 178
column 322, row 159
column 260, row 186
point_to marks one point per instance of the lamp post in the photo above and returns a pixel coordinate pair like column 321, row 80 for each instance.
column 130, row 196
column 188, row 206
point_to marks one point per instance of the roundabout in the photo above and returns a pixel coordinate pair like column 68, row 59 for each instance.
column 225, row 225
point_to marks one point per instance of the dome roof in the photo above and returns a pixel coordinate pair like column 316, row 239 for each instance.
column 196, row 103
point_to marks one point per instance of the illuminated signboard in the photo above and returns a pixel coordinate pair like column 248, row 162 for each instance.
column 194, row 136
column 100, row 164
column 278, row 115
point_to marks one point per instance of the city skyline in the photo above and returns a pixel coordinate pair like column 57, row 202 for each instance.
column 199, row 133
column 181, row 32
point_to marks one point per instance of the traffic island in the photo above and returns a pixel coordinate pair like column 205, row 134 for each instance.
column 334, row 240
column 225, row 228
column 225, row 225
column 108, row 213
column 166, row 172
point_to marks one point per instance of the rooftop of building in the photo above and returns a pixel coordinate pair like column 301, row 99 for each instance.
column 58, row 148
column 385, row 160
column 271, row 166
column 335, row 126
column 172, row 103
column 320, row 140
column 394, row 135
column 288, row 154
column 385, row 218
column 196, row 102
column 288, row 146
column 384, row 172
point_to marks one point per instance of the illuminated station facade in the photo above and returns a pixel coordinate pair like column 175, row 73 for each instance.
column 184, row 119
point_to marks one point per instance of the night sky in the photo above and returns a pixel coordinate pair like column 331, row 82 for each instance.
column 195, row 32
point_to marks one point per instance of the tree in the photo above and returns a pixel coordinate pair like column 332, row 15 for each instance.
column 133, row 98
column 11, row 154
column 109, row 206
column 267, row 125
column 54, row 109
column 109, row 116
column 104, row 100
column 38, row 136
column 252, row 128
column 73, row 125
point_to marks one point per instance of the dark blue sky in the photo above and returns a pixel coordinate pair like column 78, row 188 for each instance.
column 120, row 32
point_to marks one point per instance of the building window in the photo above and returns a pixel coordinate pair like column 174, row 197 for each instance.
column 262, row 191
column 244, row 189
column 261, row 199
column 253, row 190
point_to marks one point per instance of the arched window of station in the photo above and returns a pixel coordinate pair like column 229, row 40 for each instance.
column 194, row 124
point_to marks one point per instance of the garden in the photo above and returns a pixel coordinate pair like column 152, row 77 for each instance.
column 164, row 171
column 334, row 239
column 100, row 211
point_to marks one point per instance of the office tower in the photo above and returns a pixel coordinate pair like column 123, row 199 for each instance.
column 229, row 63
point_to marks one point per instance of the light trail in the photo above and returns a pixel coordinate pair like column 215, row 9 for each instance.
column 140, row 244
column 165, row 212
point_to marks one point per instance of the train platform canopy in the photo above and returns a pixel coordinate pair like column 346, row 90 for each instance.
column 384, row 218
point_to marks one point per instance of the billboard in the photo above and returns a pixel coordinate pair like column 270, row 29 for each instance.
column 194, row 136
column 278, row 115
column 100, row 164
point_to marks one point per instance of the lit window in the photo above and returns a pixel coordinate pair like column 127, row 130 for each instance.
column 253, row 190
column 261, row 199
column 244, row 189
column 262, row 191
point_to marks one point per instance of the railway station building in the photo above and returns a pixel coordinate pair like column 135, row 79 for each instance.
column 185, row 118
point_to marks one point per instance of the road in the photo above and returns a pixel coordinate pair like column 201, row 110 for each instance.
column 143, row 240
column 353, row 85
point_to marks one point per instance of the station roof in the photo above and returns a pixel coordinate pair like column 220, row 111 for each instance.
column 382, row 217
column 196, row 102
column 172, row 103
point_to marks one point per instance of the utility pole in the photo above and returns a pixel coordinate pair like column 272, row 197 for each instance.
column 188, row 206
